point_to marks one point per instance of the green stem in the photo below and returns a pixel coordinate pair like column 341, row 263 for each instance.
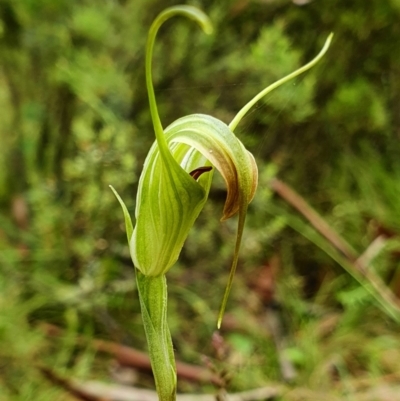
column 240, row 229
column 185, row 11
column 153, row 304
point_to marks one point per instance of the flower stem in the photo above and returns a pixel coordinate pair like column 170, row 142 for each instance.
column 185, row 11
column 153, row 303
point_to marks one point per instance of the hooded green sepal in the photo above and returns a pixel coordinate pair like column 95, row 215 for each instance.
column 153, row 305
column 169, row 199
column 216, row 142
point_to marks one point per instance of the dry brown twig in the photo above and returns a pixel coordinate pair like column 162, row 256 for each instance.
column 374, row 248
column 130, row 357
column 100, row 391
column 299, row 203
column 124, row 393
column 355, row 262
column 69, row 386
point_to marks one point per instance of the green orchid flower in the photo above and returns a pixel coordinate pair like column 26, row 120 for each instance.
column 173, row 189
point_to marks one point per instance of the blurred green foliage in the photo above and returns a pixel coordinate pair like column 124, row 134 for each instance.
column 74, row 119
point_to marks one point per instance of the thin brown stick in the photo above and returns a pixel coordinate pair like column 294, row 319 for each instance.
column 70, row 387
column 373, row 249
column 100, row 391
column 295, row 200
column 126, row 393
column 355, row 263
column 130, row 357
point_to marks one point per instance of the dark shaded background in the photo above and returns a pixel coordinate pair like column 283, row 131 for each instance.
column 74, row 118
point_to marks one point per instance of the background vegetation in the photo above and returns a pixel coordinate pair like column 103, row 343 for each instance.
column 74, row 119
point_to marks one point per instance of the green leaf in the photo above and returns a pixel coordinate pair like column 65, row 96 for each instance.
column 128, row 221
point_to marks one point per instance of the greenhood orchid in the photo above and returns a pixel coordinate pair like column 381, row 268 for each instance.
column 173, row 189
